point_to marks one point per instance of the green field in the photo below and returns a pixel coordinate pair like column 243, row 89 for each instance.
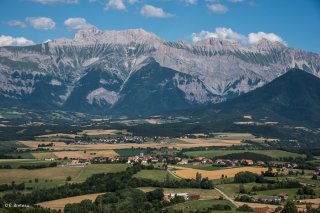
column 159, row 175
column 57, row 174
column 15, row 163
column 9, row 146
column 232, row 189
column 203, row 167
column 291, row 192
column 216, row 153
column 130, row 152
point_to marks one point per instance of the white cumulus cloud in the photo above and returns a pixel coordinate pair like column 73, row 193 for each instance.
column 41, row 23
column 14, row 41
column 150, row 11
column 56, row 1
column 220, row 32
column 115, row 5
column 218, row 8
column 16, row 23
column 76, row 24
column 229, row 34
column 256, row 37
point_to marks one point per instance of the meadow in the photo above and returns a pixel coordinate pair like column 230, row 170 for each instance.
column 276, row 154
column 57, row 174
column 159, row 175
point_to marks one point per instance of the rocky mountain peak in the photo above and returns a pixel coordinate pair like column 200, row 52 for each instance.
column 218, row 44
column 265, row 44
column 87, row 34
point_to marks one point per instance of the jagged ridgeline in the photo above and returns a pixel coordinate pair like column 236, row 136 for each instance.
column 135, row 72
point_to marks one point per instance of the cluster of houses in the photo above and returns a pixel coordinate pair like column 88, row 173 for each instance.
column 283, row 165
column 77, row 163
column 186, row 196
column 245, row 162
column 142, row 159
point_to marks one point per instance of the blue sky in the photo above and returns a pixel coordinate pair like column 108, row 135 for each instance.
column 293, row 22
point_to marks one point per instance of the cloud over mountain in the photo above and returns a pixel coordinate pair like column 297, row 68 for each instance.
column 76, row 24
column 229, row 34
column 14, row 41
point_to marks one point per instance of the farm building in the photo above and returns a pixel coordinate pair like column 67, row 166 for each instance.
column 269, row 199
column 186, row 196
column 283, row 196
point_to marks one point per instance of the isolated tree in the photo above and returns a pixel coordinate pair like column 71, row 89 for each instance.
column 69, row 178
column 198, row 177
column 290, row 207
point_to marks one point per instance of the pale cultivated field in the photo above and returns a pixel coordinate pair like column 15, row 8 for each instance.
column 100, row 132
column 226, row 139
column 210, row 142
column 186, row 173
column 301, row 207
column 255, row 205
column 60, row 204
column 185, row 143
column 314, row 202
column 85, row 154
column 57, row 135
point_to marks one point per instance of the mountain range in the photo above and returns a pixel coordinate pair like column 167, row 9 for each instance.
column 134, row 72
column 292, row 98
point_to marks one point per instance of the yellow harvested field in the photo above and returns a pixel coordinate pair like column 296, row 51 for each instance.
column 100, row 131
column 259, row 205
column 85, row 154
column 211, row 141
column 301, row 207
column 185, row 143
column 186, row 173
column 60, row 204
column 314, row 203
